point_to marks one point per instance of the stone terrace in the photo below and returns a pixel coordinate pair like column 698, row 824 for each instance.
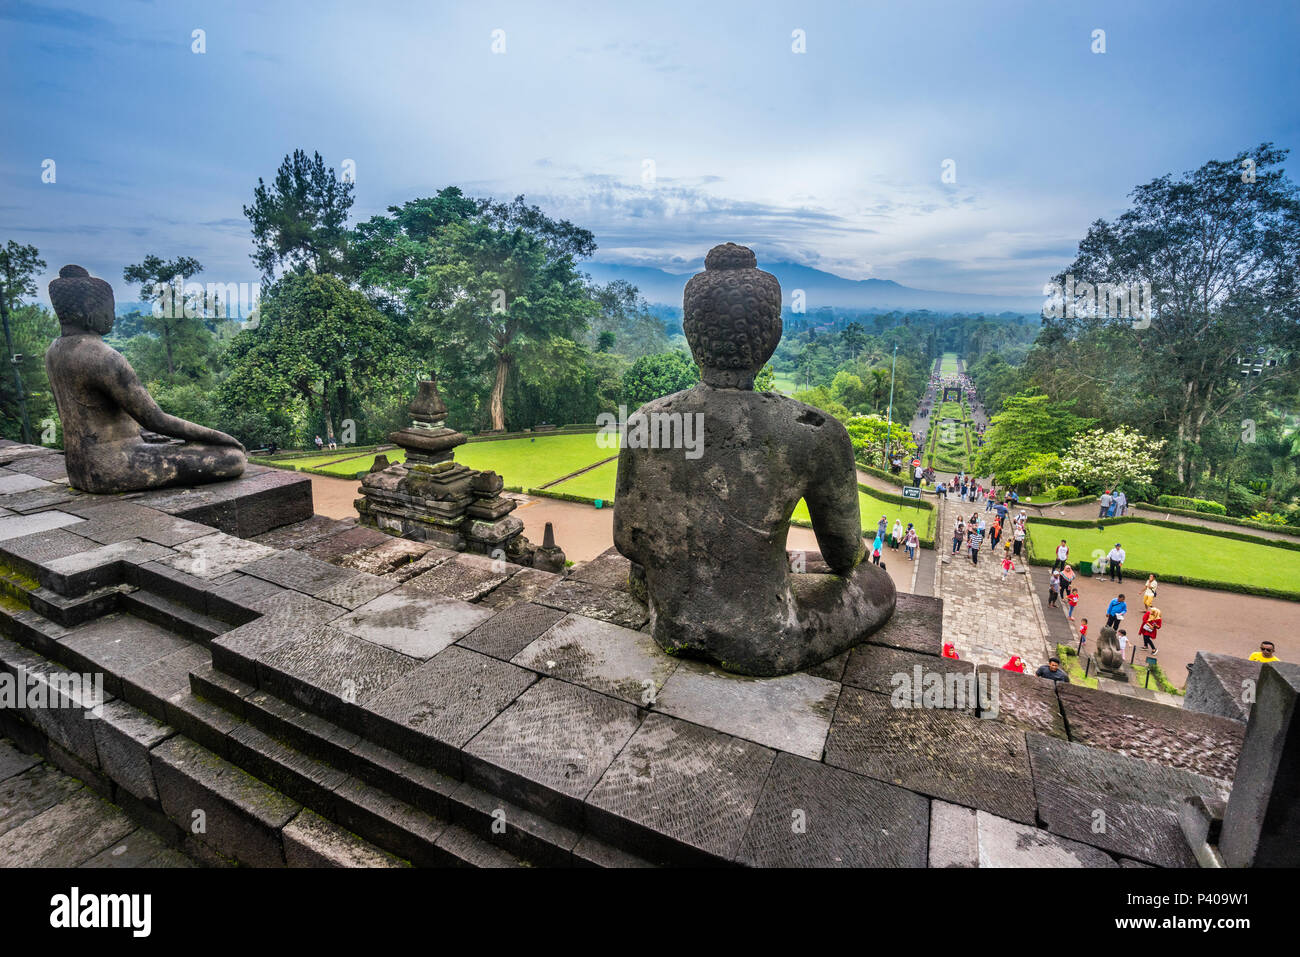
column 328, row 694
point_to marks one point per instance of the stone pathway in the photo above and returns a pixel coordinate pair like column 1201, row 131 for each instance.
column 987, row 619
column 50, row 819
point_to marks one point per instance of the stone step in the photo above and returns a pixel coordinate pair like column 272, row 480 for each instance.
column 514, row 829
column 237, row 797
column 173, row 615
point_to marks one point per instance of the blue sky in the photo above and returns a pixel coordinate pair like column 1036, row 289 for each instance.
column 830, row 158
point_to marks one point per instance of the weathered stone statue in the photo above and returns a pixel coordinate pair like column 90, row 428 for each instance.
column 708, row 524
column 1110, row 659
column 103, row 405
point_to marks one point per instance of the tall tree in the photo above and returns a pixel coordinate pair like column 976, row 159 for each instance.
column 174, row 318
column 319, row 345
column 18, row 267
column 300, row 220
column 1220, row 247
column 503, row 281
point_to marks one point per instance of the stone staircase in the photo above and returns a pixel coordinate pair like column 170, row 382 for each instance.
column 182, row 741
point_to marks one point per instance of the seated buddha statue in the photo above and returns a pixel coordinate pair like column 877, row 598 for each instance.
column 707, row 526
column 103, row 406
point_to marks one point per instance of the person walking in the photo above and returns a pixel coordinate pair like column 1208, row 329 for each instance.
column 1151, row 622
column 958, row 535
column 896, row 536
column 1149, row 592
column 1123, row 503
column 976, row 540
column 1062, row 552
column 1007, row 565
column 1054, row 589
column 1018, row 538
column 913, row 541
column 1104, row 503
column 1072, row 599
column 1115, row 563
column 1115, row 611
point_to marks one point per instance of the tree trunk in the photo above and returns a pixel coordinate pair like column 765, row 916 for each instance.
column 328, row 409
column 498, row 404
column 167, row 345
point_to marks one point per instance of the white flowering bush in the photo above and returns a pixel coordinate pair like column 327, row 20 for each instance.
column 1122, row 456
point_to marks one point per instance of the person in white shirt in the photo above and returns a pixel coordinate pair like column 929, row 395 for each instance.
column 1115, row 563
column 1062, row 552
column 1122, row 501
column 1104, row 502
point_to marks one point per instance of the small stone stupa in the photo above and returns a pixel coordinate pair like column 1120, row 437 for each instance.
column 431, row 497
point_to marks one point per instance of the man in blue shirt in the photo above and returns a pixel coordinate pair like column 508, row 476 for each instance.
column 1115, row 610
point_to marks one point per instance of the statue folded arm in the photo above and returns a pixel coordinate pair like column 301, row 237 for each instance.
column 125, row 388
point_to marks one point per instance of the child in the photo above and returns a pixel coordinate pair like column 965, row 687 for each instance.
column 875, row 553
column 1054, row 590
column 1123, row 640
column 1083, row 631
column 1073, row 600
column 1007, row 565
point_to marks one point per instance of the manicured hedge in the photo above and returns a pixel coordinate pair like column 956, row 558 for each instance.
column 1226, row 519
column 1195, row 504
column 885, row 474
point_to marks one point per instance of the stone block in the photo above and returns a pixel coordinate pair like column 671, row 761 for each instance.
column 916, row 625
column 299, row 572
column 356, row 590
column 412, row 622
column 221, row 805
column 13, row 761
column 24, row 796
column 312, row 841
column 1023, row 701
column 508, row 632
column 963, row 837
column 139, row 849
column 29, row 551
column 1202, row 743
column 331, row 673
column 434, row 710
column 943, row 753
column 215, row 555
column 1222, row 685
column 791, row 713
column 459, row 580
column 523, row 586
column 595, row 601
column 812, row 815
column 679, row 793
column 1125, row 805
column 65, row 834
column 1260, row 826
column 608, row 569
column 124, row 736
column 601, row 656
column 883, row 669
column 384, row 559
column 549, row 748
column 118, row 645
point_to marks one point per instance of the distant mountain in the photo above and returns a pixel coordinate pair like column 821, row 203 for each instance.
column 820, row 289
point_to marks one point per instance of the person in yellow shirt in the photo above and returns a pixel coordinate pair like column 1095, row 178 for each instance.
column 1265, row 653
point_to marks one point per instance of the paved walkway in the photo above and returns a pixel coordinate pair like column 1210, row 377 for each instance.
column 987, row 619
column 50, row 819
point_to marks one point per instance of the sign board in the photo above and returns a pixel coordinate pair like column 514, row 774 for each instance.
column 911, row 491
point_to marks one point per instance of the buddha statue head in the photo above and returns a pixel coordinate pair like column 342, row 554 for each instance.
column 82, row 301
column 732, row 317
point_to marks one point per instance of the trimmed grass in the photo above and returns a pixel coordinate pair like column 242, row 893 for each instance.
column 316, row 461
column 526, row 462
column 784, row 382
column 948, row 364
column 598, row 483
column 1169, row 552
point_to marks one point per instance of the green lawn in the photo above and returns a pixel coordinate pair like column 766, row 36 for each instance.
column 784, row 382
column 1171, row 551
column 525, row 462
column 316, row 461
column 948, row 364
